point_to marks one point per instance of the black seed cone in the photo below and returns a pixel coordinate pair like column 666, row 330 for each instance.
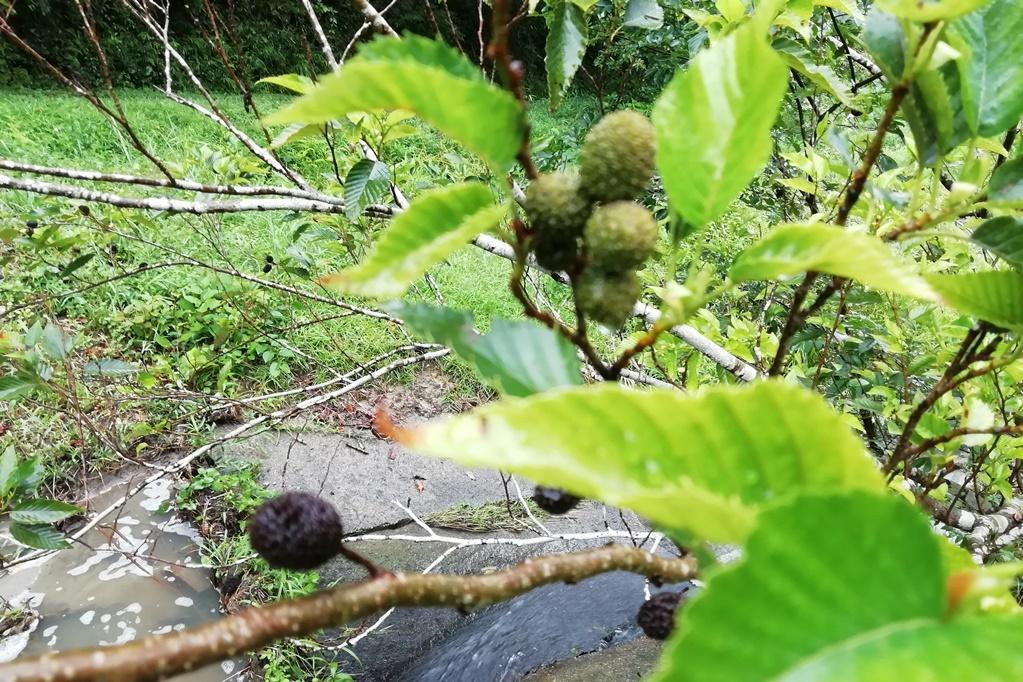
column 299, row 531
column 657, row 615
column 554, row 500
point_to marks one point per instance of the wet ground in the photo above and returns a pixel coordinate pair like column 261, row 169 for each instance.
column 138, row 575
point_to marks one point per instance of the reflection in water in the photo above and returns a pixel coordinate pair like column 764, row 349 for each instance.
column 138, row 578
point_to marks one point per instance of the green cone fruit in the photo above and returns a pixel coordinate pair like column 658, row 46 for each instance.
column 555, row 205
column 557, row 211
column 607, row 298
column 555, row 251
column 620, row 236
column 617, row 158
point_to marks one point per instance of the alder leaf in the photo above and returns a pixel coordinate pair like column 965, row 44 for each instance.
column 841, row 588
column 991, row 71
column 995, row 296
column 645, row 14
column 1002, row 236
column 1006, row 186
column 38, row 536
column 705, row 462
column 43, row 511
column 793, row 249
column 821, row 75
column 303, row 85
column 713, row 123
column 434, row 225
column 516, row 357
column 929, row 10
column 566, row 45
column 366, row 183
column 431, row 80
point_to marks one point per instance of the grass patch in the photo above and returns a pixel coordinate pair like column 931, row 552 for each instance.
column 484, row 518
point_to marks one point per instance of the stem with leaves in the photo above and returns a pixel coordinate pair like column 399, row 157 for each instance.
column 857, row 182
column 958, row 372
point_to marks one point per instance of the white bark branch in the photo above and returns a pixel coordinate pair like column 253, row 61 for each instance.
column 138, row 11
column 858, row 57
column 184, row 185
column 375, row 18
column 182, row 205
column 328, row 53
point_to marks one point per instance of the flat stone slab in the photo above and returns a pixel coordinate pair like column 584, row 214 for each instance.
column 363, row 475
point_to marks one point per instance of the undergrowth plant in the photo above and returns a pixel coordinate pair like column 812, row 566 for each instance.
column 864, row 455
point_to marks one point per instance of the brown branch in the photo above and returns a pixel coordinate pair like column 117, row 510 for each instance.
column 512, row 75
column 793, row 322
column 857, row 182
column 161, row 656
column 957, row 374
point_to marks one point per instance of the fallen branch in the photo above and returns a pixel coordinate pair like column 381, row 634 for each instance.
column 161, row 656
column 180, row 205
column 184, row 185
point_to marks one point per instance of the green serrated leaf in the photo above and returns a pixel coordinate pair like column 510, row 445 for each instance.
column 303, row 85
column 109, row 367
column 1006, row 186
column 366, row 183
column 991, row 71
column 995, row 296
column 821, row 575
column 821, row 75
column 794, row 249
column 296, row 131
column 43, row 511
column 54, row 342
column 885, row 39
column 12, row 387
column 714, row 122
column 705, row 463
column 76, row 264
column 420, row 49
column 566, row 45
column 518, row 358
column 1003, row 237
column 484, row 118
column 907, row 653
column 933, row 107
column 38, row 536
column 28, row 474
column 929, row 10
column 8, row 465
column 645, row 14
column 428, row 231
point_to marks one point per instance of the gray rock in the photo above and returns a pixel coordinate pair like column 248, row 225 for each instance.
column 364, row 475
column 632, row 660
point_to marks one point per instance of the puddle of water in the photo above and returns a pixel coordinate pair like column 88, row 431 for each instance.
column 132, row 583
